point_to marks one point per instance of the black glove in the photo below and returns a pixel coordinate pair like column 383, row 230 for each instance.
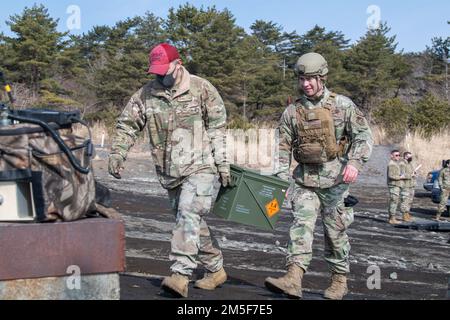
column 350, row 201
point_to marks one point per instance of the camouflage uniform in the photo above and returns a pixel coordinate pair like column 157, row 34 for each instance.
column 444, row 184
column 395, row 183
column 408, row 188
column 186, row 125
column 320, row 188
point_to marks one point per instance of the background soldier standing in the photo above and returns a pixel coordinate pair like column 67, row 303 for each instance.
column 409, row 184
column 444, row 184
column 186, row 118
column 330, row 138
column 395, row 181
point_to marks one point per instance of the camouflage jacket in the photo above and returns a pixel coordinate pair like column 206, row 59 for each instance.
column 395, row 173
column 349, row 121
column 407, row 168
column 186, row 125
column 444, row 178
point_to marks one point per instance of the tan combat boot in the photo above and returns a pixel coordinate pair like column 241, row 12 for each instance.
column 407, row 217
column 289, row 284
column 393, row 221
column 438, row 216
column 176, row 285
column 212, row 280
column 338, row 288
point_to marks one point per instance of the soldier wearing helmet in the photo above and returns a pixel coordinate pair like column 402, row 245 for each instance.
column 330, row 139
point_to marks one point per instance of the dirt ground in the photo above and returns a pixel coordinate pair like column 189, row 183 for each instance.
column 411, row 264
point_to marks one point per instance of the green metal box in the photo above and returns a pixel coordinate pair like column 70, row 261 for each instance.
column 252, row 199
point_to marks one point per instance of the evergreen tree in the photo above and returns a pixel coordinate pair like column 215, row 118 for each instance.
column 317, row 35
column 271, row 35
column 439, row 54
column 117, row 58
column 36, row 45
column 394, row 116
column 431, row 115
column 209, row 41
column 337, row 75
column 375, row 70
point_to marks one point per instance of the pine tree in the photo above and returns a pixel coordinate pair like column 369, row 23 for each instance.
column 439, row 52
column 208, row 40
column 431, row 115
column 376, row 71
column 117, row 58
column 36, row 45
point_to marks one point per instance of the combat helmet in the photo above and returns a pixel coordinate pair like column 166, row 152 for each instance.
column 311, row 64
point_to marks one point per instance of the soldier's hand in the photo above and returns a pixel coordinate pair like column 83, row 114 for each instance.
column 225, row 176
column 350, row 174
column 115, row 166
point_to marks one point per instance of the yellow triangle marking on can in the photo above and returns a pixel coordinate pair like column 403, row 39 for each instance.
column 272, row 208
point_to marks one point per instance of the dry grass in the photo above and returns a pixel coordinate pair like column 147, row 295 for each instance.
column 379, row 135
column 428, row 152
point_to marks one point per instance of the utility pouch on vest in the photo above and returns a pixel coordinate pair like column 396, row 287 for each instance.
column 316, row 138
column 54, row 162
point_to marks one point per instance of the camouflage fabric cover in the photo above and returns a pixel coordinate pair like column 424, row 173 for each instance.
column 60, row 192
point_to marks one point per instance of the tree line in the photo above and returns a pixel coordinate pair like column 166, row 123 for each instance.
column 97, row 71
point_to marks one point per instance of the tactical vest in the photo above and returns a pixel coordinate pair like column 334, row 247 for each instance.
column 316, row 135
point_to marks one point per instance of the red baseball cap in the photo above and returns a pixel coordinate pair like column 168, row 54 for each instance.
column 160, row 58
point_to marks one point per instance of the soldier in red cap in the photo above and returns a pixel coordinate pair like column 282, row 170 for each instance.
column 186, row 119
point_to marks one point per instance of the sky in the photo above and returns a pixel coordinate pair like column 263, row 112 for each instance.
column 414, row 22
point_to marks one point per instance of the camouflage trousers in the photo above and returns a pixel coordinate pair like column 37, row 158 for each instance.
column 406, row 199
column 307, row 203
column 444, row 198
column 191, row 237
column 398, row 195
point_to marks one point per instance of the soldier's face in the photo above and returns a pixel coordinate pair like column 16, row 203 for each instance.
column 311, row 86
column 170, row 79
column 395, row 156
